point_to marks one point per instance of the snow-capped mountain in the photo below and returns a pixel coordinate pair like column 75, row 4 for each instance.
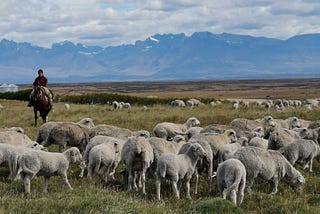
column 201, row 56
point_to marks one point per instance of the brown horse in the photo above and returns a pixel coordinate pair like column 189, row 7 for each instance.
column 40, row 103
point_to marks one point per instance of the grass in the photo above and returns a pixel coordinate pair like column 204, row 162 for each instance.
column 114, row 197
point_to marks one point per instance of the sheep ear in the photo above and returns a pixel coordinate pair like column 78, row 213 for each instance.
column 301, row 179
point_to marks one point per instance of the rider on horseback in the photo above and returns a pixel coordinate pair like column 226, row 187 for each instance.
column 42, row 81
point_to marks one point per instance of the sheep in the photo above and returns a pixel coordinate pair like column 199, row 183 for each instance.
column 15, row 138
column 231, row 179
column 217, row 141
column 215, row 129
column 10, row 154
column 289, row 123
column 268, row 165
column 191, row 103
column 116, row 105
column 228, row 149
column 279, row 138
column 177, row 168
column 161, row 146
column 204, row 164
column 137, row 155
column 178, row 103
column 307, row 133
column 68, row 134
column 67, row 106
column 301, row 151
column 46, row 164
column 168, row 130
column 17, row 129
column 192, row 131
column 97, row 140
column 117, row 132
column 45, row 128
column 103, row 160
column 243, row 124
column 259, row 142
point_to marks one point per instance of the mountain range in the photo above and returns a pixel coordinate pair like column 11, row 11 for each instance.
column 200, row 56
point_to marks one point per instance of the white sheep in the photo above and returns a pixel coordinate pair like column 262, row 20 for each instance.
column 227, row 150
column 46, row 164
column 45, row 128
column 117, row 132
column 231, row 180
column 103, row 160
column 178, row 103
column 301, row 151
column 178, row 168
column 268, row 165
column 67, row 106
column 278, row 138
column 204, row 164
column 192, row 131
column 68, row 134
column 15, row 138
column 97, row 140
column 137, row 155
column 116, row 105
column 259, row 142
column 10, row 154
column 168, row 130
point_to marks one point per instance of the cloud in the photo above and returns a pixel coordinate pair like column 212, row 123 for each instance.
column 115, row 22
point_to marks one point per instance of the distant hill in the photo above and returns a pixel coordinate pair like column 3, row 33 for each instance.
column 201, row 56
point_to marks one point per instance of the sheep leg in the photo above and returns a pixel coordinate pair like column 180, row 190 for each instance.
column 82, row 166
column 143, row 179
column 196, row 180
column 130, row 179
column 224, row 193
column 65, row 178
column 274, row 183
column 135, row 174
column 90, row 171
column 175, row 189
column 241, row 192
column 158, row 187
column 233, row 197
column 46, row 183
column 188, row 189
column 26, row 181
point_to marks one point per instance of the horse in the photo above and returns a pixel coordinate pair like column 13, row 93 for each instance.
column 40, row 102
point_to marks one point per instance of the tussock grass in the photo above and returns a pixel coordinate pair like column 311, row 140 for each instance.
column 95, row 197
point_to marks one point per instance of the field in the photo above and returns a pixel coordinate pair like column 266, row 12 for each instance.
column 114, row 197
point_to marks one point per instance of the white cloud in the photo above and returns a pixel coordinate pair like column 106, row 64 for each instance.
column 114, row 22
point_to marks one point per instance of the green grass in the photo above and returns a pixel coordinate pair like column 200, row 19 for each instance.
column 94, row 197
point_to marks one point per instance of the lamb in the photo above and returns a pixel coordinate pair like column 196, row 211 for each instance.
column 103, row 160
column 67, row 106
column 301, row 151
column 69, row 134
column 45, row 128
column 227, row 150
column 204, row 164
column 137, row 155
column 46, row 164
column 231, row 179
column 259, row 142
column 268, row 165
column 168, row 130
column 97, row 140
column 178, row 168
column 116, row 132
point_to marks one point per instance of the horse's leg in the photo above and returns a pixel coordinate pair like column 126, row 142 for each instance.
column 35, row 116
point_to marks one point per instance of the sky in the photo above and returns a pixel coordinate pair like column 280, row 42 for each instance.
column 115, row 22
